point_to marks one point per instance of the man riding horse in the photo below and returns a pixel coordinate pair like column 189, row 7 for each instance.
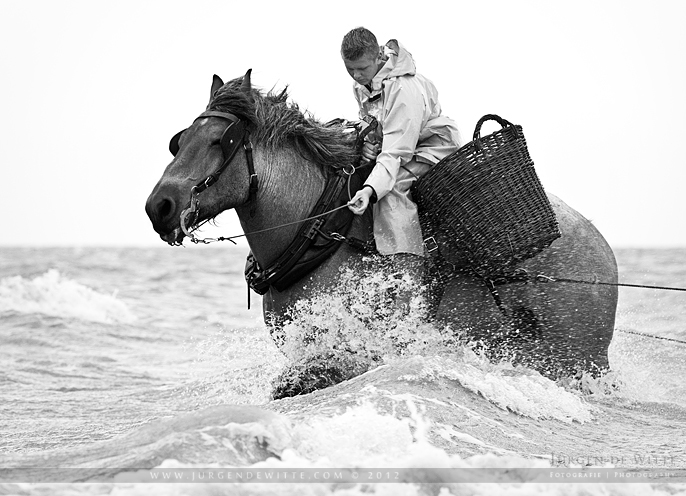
column 413, row 134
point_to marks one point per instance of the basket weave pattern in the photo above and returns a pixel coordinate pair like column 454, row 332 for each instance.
column 487, row 198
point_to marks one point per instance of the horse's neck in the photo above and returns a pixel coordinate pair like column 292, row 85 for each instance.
column 289, row 187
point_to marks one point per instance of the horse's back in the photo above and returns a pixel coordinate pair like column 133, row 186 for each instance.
column 558, row 327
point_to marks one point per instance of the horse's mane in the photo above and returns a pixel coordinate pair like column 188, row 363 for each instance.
column 276, row 122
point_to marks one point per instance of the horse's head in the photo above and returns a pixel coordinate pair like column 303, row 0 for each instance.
column 294, row 157
column 214, row 149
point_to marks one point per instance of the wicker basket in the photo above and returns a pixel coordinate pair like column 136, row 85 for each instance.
column 488, row 201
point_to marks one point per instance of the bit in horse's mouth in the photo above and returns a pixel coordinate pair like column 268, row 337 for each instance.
column 173, row 238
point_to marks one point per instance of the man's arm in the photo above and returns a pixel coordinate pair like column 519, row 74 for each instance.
column 404, row 113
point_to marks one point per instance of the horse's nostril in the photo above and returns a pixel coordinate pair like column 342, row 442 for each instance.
column 164, row 208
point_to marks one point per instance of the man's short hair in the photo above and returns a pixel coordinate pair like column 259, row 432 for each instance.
column 358, row 43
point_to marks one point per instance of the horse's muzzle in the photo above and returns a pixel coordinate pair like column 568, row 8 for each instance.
column 174, row 238
column 163, row 207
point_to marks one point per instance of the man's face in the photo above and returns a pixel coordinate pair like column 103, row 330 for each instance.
column 363, row 69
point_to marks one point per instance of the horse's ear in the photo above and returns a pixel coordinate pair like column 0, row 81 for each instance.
column 216, row 84
column 247, row 85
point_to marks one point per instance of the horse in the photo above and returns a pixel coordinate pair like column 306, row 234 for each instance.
column 259, row 154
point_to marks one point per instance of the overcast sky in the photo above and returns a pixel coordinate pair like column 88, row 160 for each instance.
column 92, row 91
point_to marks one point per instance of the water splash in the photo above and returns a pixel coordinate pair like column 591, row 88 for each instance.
column 360, row 316
column 231, row 366
column 55, row 295
column 359, row 320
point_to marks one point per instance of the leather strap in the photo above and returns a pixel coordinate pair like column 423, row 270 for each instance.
column 235, row 135
column 291, row 265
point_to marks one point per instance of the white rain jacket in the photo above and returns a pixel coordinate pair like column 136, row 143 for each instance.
column 406, row 106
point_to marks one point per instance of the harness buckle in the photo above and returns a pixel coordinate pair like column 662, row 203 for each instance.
column 348, row 172
column 430, row 244
column 314, row 229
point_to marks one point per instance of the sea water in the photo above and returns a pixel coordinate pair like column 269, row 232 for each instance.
column 141, row 370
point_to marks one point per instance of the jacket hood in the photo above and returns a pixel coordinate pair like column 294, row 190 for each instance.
column 399, row 62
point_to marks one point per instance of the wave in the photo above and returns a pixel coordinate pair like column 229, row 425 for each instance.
column 415, row 421
column 55, row 295
column 454, row 423
column 515, row 389
column 424, row 409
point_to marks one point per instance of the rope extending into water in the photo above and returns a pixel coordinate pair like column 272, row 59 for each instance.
column 544, row 278
column 562, row 279
column 652, row 336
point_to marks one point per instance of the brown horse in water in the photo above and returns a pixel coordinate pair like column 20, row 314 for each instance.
column 558, row 328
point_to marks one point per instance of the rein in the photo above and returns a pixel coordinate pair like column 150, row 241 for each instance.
column 207, row 241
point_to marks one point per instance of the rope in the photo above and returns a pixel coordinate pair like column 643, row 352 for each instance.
column 544, row 278
column 231, row 238
column 652, row 336
column 562, row 279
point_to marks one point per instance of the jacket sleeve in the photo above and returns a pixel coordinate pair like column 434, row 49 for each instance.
column 356, row 94
column 403, row 116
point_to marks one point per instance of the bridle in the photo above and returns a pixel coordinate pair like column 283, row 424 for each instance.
column 235, row 135
column 320, row 233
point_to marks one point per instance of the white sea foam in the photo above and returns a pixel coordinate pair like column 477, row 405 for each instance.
column 370, row 443
column 53, row 294
column 359, row 433
column 517, row 389
column 355, row 317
